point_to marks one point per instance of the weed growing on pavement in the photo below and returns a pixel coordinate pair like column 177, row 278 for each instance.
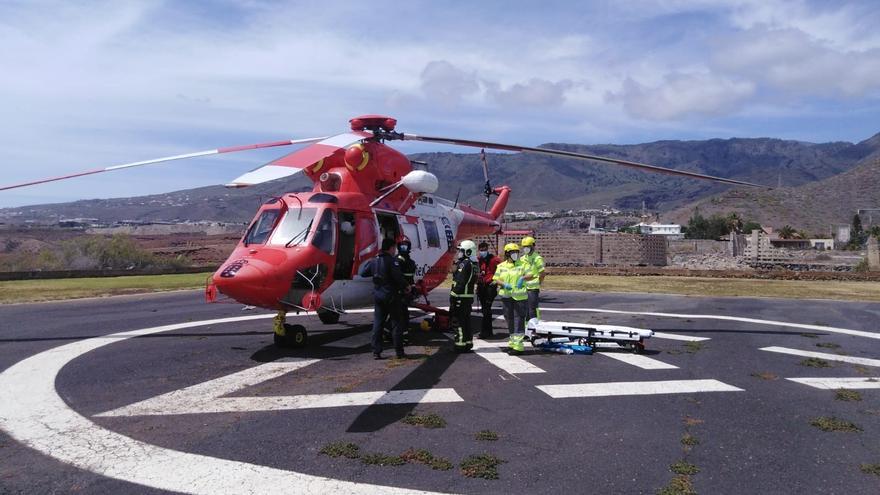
column 678, row 485
column 689, row 440
column 810, row 335
column 870, row 469
column 344, row 389
column 481, row 466
column 848, row 395
column 422, row 456
column 862, row 370
column 341, row 449
column 815, row 363
column 693, row 347
column 828, row 345
column 832, row 423
column 683, row 467
column 379, row 459
column 765, row 375
column 689, row 421
column 486, row 435
column 427, row 420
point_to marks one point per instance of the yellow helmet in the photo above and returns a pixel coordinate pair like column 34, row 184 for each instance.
column 512, row 246
column 528, row 241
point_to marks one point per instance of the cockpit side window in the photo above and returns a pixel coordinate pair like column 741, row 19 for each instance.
column 262, row 227
column 325, row 235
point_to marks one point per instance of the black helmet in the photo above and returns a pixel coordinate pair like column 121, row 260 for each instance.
column 404, row 246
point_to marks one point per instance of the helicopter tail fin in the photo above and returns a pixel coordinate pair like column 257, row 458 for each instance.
column 500, row 205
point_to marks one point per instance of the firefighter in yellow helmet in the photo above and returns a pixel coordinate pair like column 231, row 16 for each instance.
column 534, row 266
column 511, row 279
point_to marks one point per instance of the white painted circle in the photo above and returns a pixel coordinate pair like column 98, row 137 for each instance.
column 34, row 414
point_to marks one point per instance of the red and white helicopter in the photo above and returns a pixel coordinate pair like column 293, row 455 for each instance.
column 302, row 251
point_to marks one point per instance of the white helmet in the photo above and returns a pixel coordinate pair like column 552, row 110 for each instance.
column 468, row 248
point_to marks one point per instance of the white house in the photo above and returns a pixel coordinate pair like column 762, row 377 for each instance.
column 668, row 229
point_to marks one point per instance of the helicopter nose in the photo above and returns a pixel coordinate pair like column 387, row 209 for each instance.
column 244, row 282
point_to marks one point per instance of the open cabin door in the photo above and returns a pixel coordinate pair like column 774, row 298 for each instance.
column 345, row 252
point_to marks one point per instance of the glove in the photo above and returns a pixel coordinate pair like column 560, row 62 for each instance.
column 508, row 287
column 520, row 283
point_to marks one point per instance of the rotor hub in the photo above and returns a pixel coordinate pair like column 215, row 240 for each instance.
column 373, row 123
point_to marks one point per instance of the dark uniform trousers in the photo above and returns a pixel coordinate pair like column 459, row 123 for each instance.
column 390, row 309
column 487, row 294
column 460, row 309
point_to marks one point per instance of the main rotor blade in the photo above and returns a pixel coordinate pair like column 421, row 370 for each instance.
column 293, row 163
column 230, row 149
column 570, row 154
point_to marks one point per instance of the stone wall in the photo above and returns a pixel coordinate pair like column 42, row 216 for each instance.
column 582, row 249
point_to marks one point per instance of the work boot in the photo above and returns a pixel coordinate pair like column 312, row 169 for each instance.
column 377, row 355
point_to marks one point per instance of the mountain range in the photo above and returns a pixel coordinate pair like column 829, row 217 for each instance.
column 815, row 184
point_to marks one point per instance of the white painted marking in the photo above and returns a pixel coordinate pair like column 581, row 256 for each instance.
column 824, row 355
column 636, row 388
column 515, row 365
column 846, row 331
column 33, row 414
column 642, row 362
column 675, row 336
column 286, row 403
column 836, row 383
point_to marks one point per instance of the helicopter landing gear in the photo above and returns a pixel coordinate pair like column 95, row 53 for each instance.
column 328, row 317
column 286, row 335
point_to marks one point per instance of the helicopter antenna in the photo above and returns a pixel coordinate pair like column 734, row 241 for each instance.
column 457, row 195
column 487, row 188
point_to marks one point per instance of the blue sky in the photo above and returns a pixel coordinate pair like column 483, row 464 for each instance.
column 91, row 84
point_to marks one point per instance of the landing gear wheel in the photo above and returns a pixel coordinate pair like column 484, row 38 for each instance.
column 328, row 317
column 294, row 336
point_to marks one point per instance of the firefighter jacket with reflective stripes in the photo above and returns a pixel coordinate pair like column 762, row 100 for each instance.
column 508, row 274
column 534, row 265
column 463, row 278
column 408, row 268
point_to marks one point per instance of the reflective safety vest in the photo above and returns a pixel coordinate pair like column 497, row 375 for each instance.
column 534, row 264
column 509, row 273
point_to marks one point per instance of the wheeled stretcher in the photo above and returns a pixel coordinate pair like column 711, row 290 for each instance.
column 549, row 334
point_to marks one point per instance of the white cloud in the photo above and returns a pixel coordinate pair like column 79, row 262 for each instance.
column 791, row 60
column 683, row 95
column 534, row 93
column 442, row 81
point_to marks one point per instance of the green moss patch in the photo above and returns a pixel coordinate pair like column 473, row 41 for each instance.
column 341, row 449
column 486, row 435
column 379, row 459
column 832, row 423
column 481, row 466
column 679, row 485
column 683, row 467
column 848, row 395
column 815, row 363
column 426, row 421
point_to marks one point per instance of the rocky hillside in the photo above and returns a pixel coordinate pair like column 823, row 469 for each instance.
column 813, row 207
column 539, row 182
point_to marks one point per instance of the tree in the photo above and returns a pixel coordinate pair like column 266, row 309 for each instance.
column 786, row 232
column 734, row 223
column 749, row 226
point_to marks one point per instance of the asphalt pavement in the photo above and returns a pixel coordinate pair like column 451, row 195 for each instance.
column 157, row 393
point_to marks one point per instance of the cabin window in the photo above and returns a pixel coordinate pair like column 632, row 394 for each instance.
column 325, row 235
column 432, row 235
column 261, row 228
column 294, row 228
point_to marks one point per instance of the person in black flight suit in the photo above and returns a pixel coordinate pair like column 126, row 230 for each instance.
column 388, row 288
column 461, row 297
column 408, row 268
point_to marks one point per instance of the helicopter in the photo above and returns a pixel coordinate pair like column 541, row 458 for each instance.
column 303, row 251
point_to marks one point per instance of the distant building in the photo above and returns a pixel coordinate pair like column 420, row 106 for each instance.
column 672, row 230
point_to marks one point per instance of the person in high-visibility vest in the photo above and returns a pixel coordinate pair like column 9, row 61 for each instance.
column 534, row 264
column 461, row 297
column 511, row 279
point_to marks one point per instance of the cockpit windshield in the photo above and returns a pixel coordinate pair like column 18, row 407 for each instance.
column 261, row 228
column 294, row 228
